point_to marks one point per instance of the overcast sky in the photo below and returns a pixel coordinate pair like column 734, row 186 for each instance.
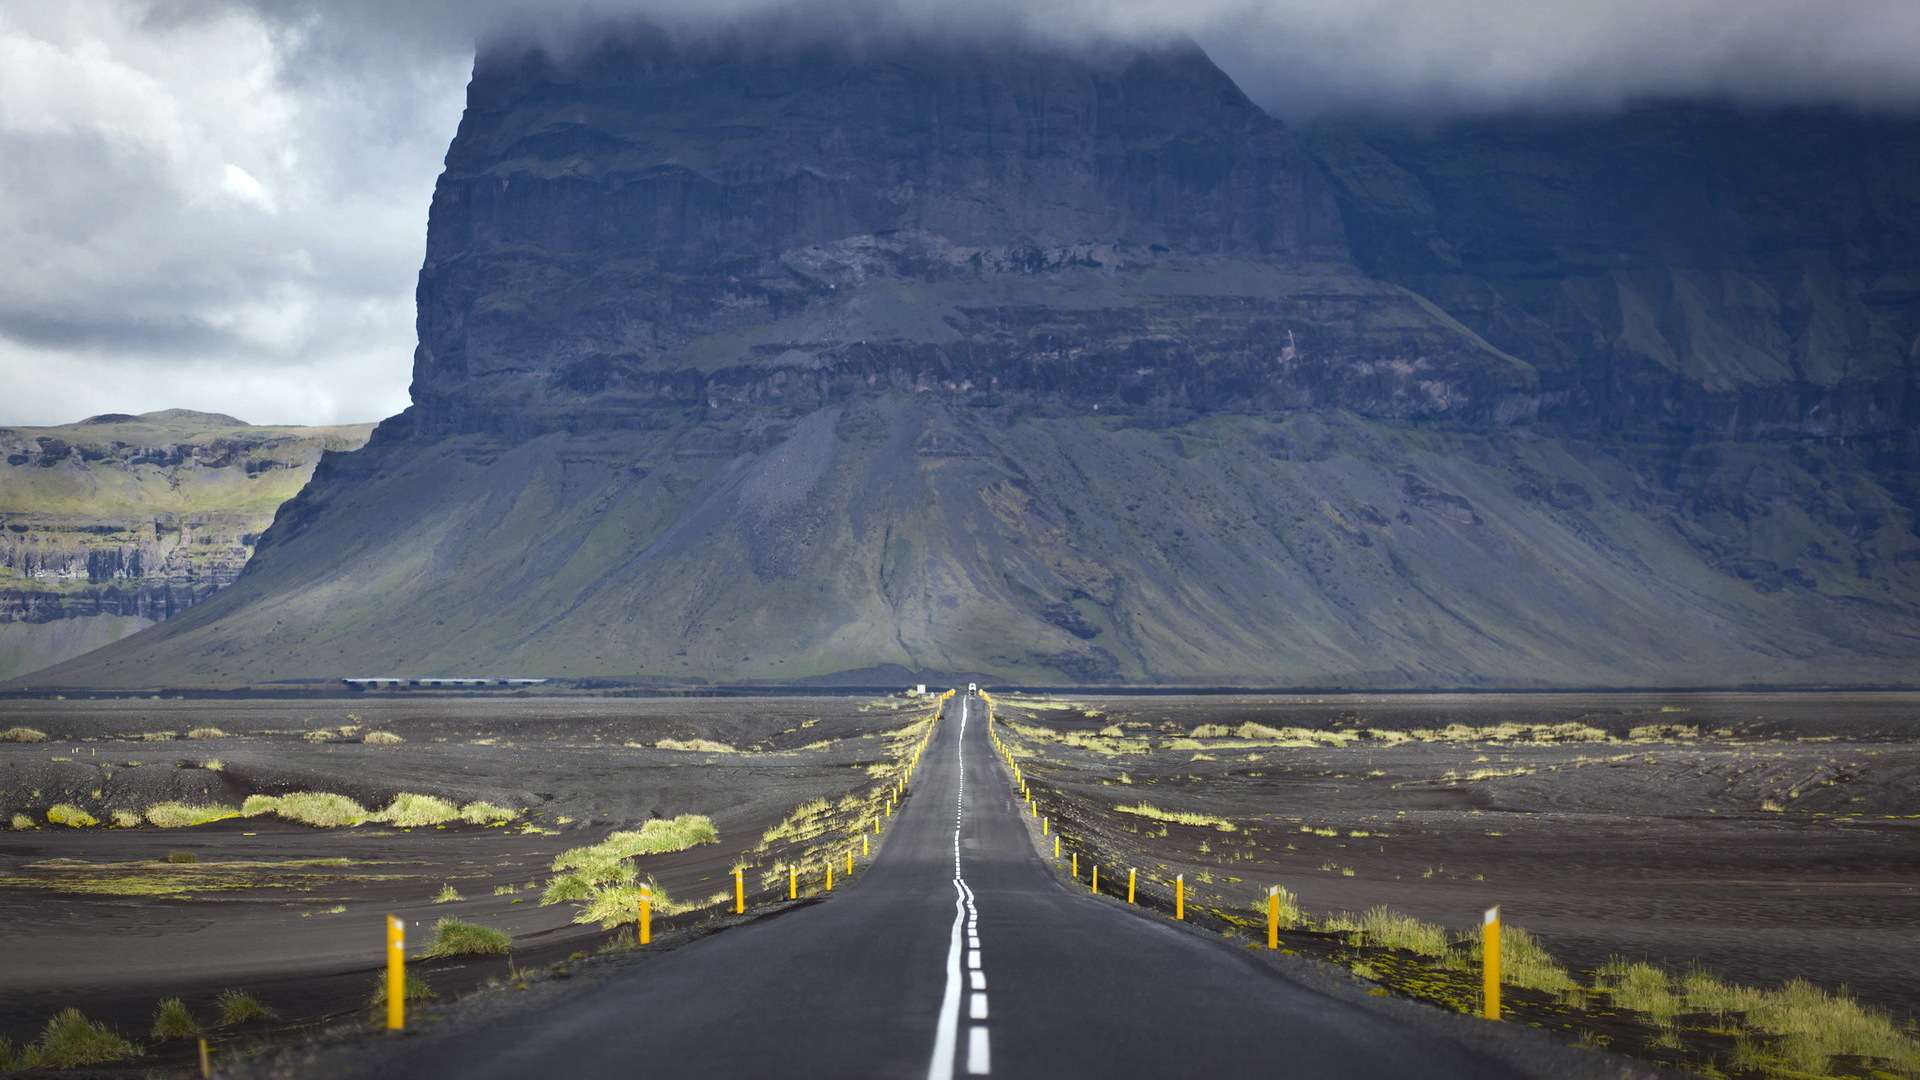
column 221, row 204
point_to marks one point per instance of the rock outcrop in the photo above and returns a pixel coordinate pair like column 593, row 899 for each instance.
column 753, row 363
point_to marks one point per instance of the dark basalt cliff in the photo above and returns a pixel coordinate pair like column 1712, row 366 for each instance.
column 742, row 363
column 1672, row 268
column 720, row 225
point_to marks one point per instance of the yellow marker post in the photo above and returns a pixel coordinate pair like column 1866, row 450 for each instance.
column 1132, row 875
column 1490, row 962
column 739, row 892
column 1096, row 878
column 793, row 883
column 1273, row 917
column 396, row 974
column 849, row 864
column 206, row 1063
column 866, row 846
column 1046, row 826
column 876, row 826
column 646, row 914
column 829, row 875
column 1180, row 897
column 1076, row 865
column 1056, row 848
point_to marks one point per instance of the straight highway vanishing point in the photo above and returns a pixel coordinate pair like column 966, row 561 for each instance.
column 865, row 983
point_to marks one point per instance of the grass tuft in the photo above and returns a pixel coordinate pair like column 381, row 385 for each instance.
column 238, row 1007
column 1178, row 817
column 318, row 808
column 1524, row 963
column 447, row 894
column 601, row 875
column 381, row 738
column 22, row 821
column 178, row 856
column 206, row 733
column 707, row 746
column 70, row 1040
column 172, row 1020
column 175, row 815
column 416, row 988
column 484, row 813
column 23, row 734
column 452, row 937
column 413, row 811
column 70, row 815
column 128, row 819
column 1390, row 929
column 1291, row 914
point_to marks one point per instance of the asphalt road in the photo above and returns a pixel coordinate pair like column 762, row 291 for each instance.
column 957, row 953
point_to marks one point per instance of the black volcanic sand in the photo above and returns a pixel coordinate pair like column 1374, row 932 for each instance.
column 249, row 915
column 1783, row 842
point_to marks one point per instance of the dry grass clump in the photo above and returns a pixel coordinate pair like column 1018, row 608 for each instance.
column 1524, row 963
column 238, row 1007
column 447, row 894
column 453, row 937
column 484, row 813
column 175, row 815
column 178, row 856
column 22, row 821
column 1291, row 914
column 808, row 820
column 70, row 815
column 1793, row 1030
column 318, row 808
column 22, row 734
column 415, row 988
column 158, row 736
column 70, row 1040
column 617, row 904
column 589, row 873
column 381, row 738
column 656, row 837
column 707, row 746
column 172, row 1020
column 412, row 811
column 1388, row 929
column 128, row 819
column 1178, row 817
column 206, row 733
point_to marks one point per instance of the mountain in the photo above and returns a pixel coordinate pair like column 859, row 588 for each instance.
column 751, row 359
column 112, row 524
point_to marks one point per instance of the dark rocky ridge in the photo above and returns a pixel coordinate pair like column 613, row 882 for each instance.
column 746, row 364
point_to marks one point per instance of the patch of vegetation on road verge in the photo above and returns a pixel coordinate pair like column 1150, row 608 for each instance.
column 455, row 937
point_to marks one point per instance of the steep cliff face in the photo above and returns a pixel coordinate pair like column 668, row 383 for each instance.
column 724, row 225
column 1674, row 268
column 741, row 363
column 117, row 522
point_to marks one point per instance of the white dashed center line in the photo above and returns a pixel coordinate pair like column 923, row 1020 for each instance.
column 965, row 917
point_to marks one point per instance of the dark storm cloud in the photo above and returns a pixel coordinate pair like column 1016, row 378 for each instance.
column 221, row 203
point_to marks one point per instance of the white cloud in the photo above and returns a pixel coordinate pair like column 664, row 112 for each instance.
column 186, row 225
